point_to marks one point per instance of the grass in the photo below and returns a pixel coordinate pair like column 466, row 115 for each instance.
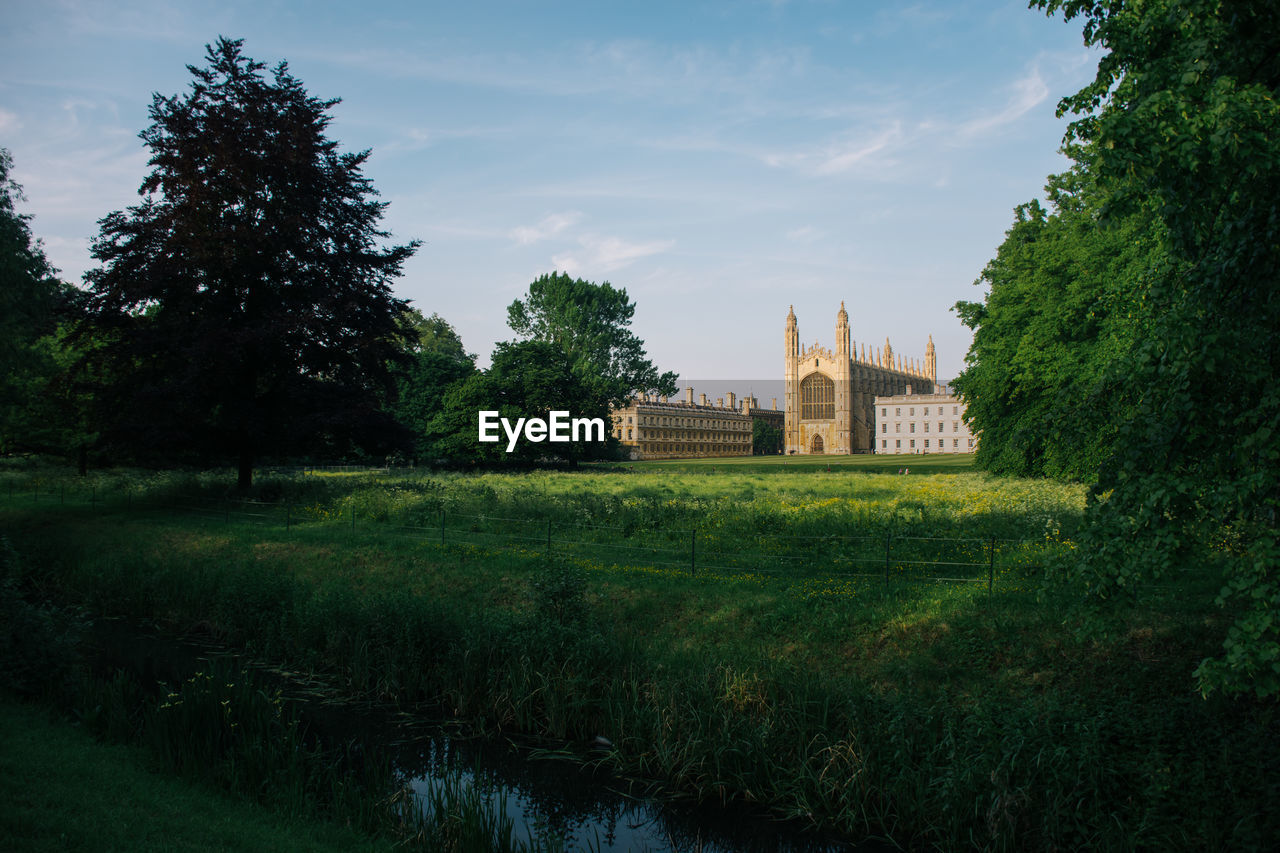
column 931, row 713
column 63, row 790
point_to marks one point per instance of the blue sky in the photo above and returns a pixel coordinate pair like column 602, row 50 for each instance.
column 719, row 160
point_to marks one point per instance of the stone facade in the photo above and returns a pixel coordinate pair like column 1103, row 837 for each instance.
column 652, row 427
column 922, row 423
column 830, row 395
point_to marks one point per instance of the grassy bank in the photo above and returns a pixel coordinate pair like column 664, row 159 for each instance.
column 63, row 790
column 931, row 713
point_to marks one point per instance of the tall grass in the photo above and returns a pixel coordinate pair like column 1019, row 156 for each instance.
column 932, row 715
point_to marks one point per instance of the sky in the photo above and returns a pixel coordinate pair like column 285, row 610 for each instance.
column 721, row 161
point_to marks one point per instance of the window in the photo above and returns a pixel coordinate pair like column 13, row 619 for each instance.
column 913, row 427
column 628, row 433
column 897, row 427
column 926, row 444
column 817, row 395
column 955, row 442
column 897, row 413
column 955, row 426
column 912, row 411
column 939, row 426
column 897, row 442
column 913, row 442
column 884, row 444
column 955, row 410
column 971, row 442
column 884, row 413
column 926, row 426
column 926, row 411
column 884, row 427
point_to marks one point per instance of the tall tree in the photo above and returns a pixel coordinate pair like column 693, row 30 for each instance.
column 1063, row 309
column 247, row 300
column 436, row 363
column 589, row 323
column 30, row 297
column 1184, row 115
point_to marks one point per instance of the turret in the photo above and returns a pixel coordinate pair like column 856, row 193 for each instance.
column 930, row 361
column 792, row 335
column 842, row 332
column 888, row 355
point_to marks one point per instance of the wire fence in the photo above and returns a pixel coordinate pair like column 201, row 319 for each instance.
column 875, row 555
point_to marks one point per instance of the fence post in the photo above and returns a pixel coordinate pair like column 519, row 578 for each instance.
column 693, row 552
column 991, row 568
column 888, row 544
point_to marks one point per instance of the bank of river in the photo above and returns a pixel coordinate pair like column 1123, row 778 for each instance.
column 555, row 796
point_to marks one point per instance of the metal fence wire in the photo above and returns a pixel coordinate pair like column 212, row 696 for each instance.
column 878, row 555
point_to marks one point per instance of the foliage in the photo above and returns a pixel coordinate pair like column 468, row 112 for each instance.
column 32, row 303
column 936, row 716
column 246, row 302
column 39, row 643
column 1064, row 309
column 437, row 362
column 527, row 379
column 1183, row 119
column 765, row 437
column 588, row 322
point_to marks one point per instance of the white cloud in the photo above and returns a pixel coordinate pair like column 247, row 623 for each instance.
column 549, row 226
column 1027, row 93
column 606, row 254
column 9, row 122
column 842, row 155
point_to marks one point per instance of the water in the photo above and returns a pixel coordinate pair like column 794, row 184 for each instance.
column 557, row 798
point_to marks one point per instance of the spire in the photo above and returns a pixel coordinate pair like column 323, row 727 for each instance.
column 930, row 361
column 791, row 316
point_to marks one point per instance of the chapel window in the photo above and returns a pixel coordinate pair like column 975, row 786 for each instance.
column 817, row 396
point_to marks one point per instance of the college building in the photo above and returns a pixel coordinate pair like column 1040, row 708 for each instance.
column 922, row 423
column 831, row 395
column 653, row 427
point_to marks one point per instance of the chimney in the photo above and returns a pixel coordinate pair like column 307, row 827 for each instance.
column 775, row 404
column 662, row 399
column 688, row 396
column 733, row 400
column 702, row 399
column 719, row 402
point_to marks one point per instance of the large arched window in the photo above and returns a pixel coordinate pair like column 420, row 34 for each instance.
column 817, row 398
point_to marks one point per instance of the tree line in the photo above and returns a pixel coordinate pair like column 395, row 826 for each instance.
column 243, row 310
column 1127, row 334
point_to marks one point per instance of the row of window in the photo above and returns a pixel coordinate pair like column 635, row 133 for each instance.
column 911, row 411
column 897, row 427
column 942, row 443
column 703, row 423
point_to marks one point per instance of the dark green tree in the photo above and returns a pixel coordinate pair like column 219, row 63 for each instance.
column 1043, row 383
column 437, row 362
column 1183, row 116
column 246, row 302
column 527, row 379
column 766, row 439
column 30, row 296
column 589, row 323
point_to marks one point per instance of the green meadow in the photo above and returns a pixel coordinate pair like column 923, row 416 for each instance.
column 755, row 630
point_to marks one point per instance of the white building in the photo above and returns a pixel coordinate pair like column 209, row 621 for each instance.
column 922, row 423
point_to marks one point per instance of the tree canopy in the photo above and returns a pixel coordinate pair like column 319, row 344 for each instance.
column 589, row 323
column 246, row 301
column 1177, row 145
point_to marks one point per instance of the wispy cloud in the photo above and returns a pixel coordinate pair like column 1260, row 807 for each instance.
column 9, row 122
column 1026, row 94
column 606, row 254
column 841, row 155
column 548, row 226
